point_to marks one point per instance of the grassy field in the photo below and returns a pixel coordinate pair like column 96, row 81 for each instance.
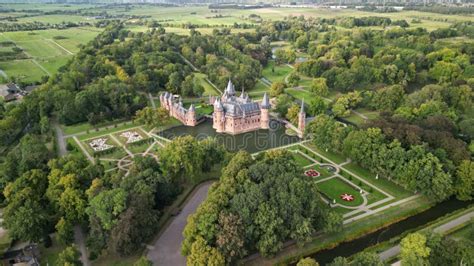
column 47, row 50
column 334, row 187
column 276, row 73
column 200, row 78
column 299, row 94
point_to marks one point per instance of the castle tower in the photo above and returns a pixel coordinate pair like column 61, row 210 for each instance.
column 264, row 115
column 191, row 116
column 301, row 120
column 218, row 117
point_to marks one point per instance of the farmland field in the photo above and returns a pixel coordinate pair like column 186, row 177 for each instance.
column 47, row 50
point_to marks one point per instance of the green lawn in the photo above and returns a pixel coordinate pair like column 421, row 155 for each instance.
column 139, row 148
column 299, row 93
column 200, row 78
column 43, row 46
column 301, row 160
column 384, row 184
column 25, row 70
column 259, row 88
column 276, row 73
column 334, row 187
column 336, row 158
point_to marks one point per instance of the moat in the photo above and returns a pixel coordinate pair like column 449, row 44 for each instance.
column 253, row 141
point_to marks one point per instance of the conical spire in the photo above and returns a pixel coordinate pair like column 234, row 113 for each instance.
column 230, row 88
column 302, row 106
column 266, row 101
column 217, row 104
column 191, row 108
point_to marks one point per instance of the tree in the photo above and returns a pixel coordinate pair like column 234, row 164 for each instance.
column 151, row 117
column 230, row 239
column 366, row 259
column 293, row 79
column 283, row 103
column 143, row 261
column 135, row 225
column 317, row 106
column 292, row 114
column 445, row 71
column 307, row 262
column 64, row 232
column 277, row 88
column 413, row 249
column 319, row 87
column 203, row 254
column 106, row 206
column 26, row 216
column 464, row 181
column 70, row 256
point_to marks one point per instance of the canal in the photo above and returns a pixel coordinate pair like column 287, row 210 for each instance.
column 348, row 249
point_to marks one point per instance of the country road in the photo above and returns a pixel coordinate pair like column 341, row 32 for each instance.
column 393, row 251
column 167, row 249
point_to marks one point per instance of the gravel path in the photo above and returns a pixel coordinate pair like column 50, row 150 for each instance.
column 167, row 249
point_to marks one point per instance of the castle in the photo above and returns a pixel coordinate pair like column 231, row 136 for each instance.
column 232, row 114
column 175, row 108
column 239, row 114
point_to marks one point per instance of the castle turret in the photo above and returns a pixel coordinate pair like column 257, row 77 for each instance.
column 264, row 112
column 301, row 120
column 191, row 116
column 218, row 117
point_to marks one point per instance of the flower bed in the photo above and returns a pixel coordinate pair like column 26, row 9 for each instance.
column 347, row 197
column 312, row 173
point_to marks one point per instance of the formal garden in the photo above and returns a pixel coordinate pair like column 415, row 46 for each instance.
column 345, row 186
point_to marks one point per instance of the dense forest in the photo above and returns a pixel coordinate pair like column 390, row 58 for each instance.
column 257, row 205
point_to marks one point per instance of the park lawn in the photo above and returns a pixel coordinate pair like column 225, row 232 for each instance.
column 259, row 88
column 300, row 160
column 117, row 154
column 334, row 187
column 278, row 73
column 334, row 157
column 382, row 183
column 299, row 94
column 200, row 78
column 324, row 173
column 355, row 119
column 24, row 70
column 140, row 148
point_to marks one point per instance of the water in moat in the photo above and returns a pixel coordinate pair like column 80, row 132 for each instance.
column 254, row 141
column 347, row 249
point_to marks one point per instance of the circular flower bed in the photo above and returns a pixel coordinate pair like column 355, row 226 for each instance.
column 347, row 197
column 312, row 173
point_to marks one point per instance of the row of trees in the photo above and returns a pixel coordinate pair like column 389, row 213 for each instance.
column 257, row 205
column 414, row 167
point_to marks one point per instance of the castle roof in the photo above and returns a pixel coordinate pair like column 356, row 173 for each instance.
column 191, row 108
column 230, row 90
column 218, row 104
column 266, row 101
